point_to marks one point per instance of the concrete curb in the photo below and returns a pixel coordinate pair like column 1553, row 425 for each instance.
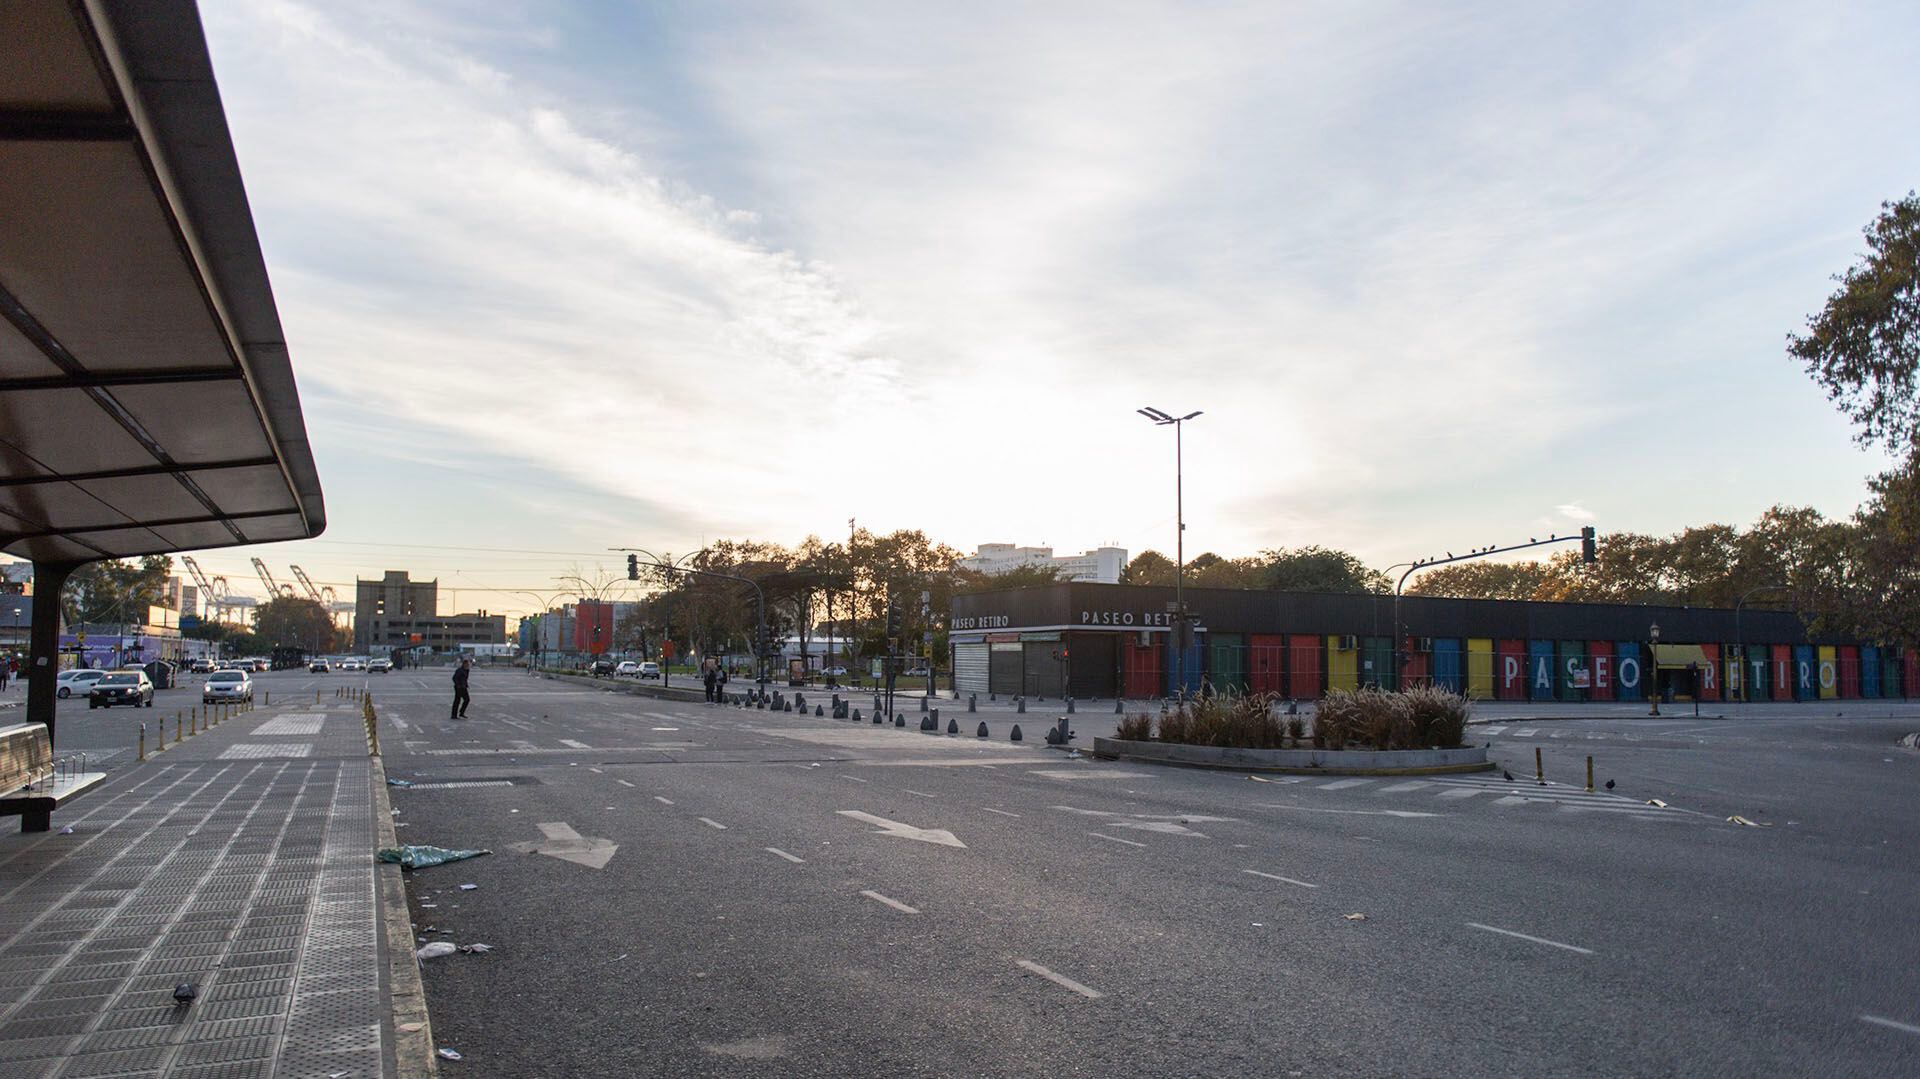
column 1310, row 762
column 1664, row 717
column 413, row 1051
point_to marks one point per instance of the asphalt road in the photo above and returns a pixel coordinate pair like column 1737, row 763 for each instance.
column 782, row 897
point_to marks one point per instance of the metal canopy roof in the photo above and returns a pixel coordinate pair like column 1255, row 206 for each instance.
column 147, row 403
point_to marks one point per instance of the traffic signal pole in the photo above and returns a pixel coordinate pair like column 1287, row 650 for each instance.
column 1589, row 553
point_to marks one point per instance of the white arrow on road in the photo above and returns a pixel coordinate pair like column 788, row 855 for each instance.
column 905, row 831
column 564, row 843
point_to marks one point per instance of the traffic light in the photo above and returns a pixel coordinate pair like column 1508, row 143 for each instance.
column 893, row 621
column 1589, row 550
column 633, row 567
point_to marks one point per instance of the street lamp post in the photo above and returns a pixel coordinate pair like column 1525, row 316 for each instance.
column 1162, row 419
column 1653, row 667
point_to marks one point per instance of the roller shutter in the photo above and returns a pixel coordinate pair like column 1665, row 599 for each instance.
column 970, row 667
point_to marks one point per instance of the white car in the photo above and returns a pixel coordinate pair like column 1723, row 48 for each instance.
column 227, row 686
column 76, row 681
column 627, row 667
column 649, row 669
column 351, row 665
column 380, row 666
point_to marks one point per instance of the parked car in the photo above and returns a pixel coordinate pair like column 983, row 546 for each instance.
column 261, row 665
column 836, row 670
column 319, row 666
column 121, row 687
column 914, row 672
column 649, row 669
column 227, row 686
column 628, row 668
column 76, row 681
column 380, row 666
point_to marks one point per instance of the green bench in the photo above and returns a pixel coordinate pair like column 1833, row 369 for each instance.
column 32, row 783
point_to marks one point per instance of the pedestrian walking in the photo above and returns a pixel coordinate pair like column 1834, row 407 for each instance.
column 461, row 698
column 710, row 672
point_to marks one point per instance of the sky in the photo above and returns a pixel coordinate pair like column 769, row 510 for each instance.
column 560, row 277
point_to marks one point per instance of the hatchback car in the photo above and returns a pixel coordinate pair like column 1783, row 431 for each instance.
column 227, row 686
column 318, row 666
column 627, row 668
column 381, row 666
column 76, row 681
column 649, row 669
column 121, row 687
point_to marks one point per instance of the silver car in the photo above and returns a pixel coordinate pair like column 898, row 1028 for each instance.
column 227, row 686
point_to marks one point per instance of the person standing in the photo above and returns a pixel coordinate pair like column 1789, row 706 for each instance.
column 460, row 696
column 710, row 673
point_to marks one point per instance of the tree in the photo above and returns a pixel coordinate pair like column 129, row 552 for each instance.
column 968, row 580
column 1863, row 348
column 1149, row 567
column 295, row 621
column 115, row 590
column 1318, row 569
column 1883, row 545
column 1209, row 570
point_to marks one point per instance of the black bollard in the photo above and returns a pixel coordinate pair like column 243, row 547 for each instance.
column 935, row 717
column 923, row 704
column 1022, row 702
column 953, row 726
column 1117, row 702
column 818, row 711
column 800, row 701
column 876, row 702
column 926, row 724
column 982, row 732
column 899, row 721
column 973, row 702
column 878, row 719
column 1069, row 705
column 856, row 715
column 1016, row 733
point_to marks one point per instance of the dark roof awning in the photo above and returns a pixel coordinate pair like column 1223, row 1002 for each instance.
column 147, row 403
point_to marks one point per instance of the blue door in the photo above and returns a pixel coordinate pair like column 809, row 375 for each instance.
column 1629, row 675
column 1447, row 672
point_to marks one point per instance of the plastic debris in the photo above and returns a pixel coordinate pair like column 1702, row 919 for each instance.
column 1738, row 819
column 412, row 1028
column 1356, row 917
column 468, row 887
column 476, row 949
column 185, row 992
column 437, row 949
column 391, row 782
column 1656, row 802
column 68, row 830
column 1260, row 779
column 450, row 1054
column 420, row 857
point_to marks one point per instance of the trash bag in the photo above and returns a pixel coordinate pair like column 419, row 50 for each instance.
column 437, row 949
column 419, row 857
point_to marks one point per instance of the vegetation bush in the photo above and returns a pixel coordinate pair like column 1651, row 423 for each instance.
column 1227, row 720
column 1427, row 717
column 1135, row 728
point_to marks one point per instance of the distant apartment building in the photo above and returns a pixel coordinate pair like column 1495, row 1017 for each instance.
column 1101, row 565
column 399, row 612
column 182, row 597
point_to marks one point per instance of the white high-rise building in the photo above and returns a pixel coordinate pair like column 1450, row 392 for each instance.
column 1102, row 564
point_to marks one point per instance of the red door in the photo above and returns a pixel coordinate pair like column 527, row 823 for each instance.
column 1603, row 673
column 1266, row 657
column 1510, row 670
column 1783, row 679
column 1303, row 666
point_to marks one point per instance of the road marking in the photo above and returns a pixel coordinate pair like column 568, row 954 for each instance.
column 1536, row 940
column 462, row 783
column 1354, row 812
column 1115, row 839
column 1061, row 980
column 1398, row 787
column 596, row 771
column 576, row 745
column 564, row 843
column 1284, row 880
column 920, row 793
column 1002, row 812
column 856, row 779
column 1906, row 1028
column 894, row 903
column 1528, row 733
column 1462, row 792
column 783, row 854
column 666, row 728
column 623, row 783
column 905, row 831
column 711, row 823
column 1342, row 784
column 663, row 801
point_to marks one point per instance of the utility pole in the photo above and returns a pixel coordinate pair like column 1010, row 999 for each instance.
column 1182, row 629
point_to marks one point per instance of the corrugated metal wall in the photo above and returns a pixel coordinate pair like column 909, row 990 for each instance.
column 970, row 667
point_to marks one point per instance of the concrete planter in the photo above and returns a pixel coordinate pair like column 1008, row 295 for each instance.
column 1301, row 761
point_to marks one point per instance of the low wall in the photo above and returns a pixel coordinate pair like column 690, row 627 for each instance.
column 1306, row 761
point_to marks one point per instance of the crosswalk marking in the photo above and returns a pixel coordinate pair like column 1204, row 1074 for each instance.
column 1342, row 784
column 1398, row 787
column 1509, row 794
column 1460, row 792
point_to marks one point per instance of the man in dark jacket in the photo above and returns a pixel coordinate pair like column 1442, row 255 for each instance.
column 460, row 697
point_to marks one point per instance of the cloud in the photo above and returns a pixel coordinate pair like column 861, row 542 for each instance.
column 1575, row 511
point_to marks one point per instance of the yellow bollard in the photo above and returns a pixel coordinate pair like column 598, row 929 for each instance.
column 1589, row 775
column 143, row 741
column 316, row 696
column 1539, row 770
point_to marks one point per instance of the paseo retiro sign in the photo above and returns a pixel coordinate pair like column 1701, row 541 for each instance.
column 1116, row 619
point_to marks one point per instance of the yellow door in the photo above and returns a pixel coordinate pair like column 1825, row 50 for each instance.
column 1343, row 665
column 1480, row 668
column 1829, row 672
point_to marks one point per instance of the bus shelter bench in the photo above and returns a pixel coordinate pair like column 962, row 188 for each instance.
column 32, row 783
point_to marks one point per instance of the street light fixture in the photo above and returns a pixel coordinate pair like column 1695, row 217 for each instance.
column 1653, row 667
column 1163, row 419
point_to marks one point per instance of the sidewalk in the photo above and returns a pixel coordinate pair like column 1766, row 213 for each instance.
column 241, row 860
